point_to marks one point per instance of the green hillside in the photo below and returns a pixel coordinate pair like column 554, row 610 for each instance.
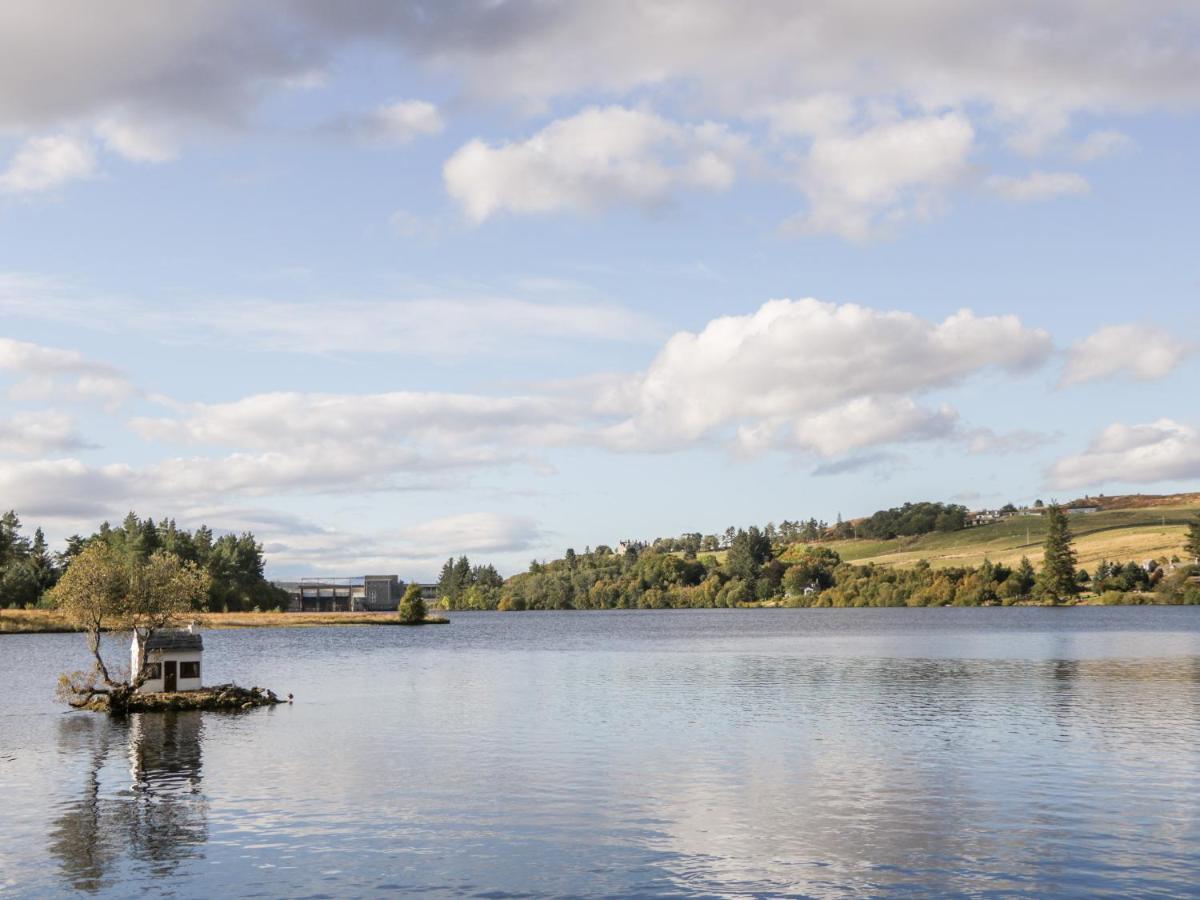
column 1124, row 534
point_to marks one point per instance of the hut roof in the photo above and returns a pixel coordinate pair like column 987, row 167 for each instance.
column 175, row 640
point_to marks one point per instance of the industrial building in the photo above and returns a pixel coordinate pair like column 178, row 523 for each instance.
column 363, row 593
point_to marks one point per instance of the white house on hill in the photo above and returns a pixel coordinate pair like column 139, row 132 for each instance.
column 172, row 658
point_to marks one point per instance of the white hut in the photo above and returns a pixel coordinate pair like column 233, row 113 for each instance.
column 172, row 658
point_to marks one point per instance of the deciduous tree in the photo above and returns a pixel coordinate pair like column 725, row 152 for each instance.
column 106, row 589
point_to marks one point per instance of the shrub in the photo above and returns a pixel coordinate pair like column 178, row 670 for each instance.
column 412, row 606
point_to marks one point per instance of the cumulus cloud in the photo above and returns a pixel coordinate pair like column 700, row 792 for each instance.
column 407, row 119
column 809, row 68
column 399, row 122
column 817, row 376
column 38, row 432
column 416, row 551
column 77, row 495
column 44, row 163
column 591, row 160
column 137, row 142
column 1037, row 186
column 1142, row 352
column 1160, row 451
column 856, row 184
column 802, row 376
column 50, row 372
column 56, row 61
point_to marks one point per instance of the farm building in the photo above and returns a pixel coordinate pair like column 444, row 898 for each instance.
column 172, row 660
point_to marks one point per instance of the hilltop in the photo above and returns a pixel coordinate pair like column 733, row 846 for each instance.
column 1138, row 527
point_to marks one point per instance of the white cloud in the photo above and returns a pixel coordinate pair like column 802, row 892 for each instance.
column 857, row 184
column 1143, row 352
column 39, row 432
column 813, row 375
column 1022, row 58
column 1165, row 450
column 1027, row 68
column 1101, row 144
column 416, row 552
column 76, row 496
column 441, row 327
column 986, row 440
column 594, row 159
column 51, row 372
column 476, row 532
column 137, row 142
column 819, row 114
column 283, row 420
column 44, row 163
column 404, row 120
column 1038, row 186
column 24, row 357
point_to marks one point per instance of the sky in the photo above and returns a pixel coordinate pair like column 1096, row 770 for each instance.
column 384, row 282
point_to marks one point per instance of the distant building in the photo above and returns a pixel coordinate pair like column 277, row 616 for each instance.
column 363, row 593
column 984, row 516
column 172, row 660
column 1082, row 510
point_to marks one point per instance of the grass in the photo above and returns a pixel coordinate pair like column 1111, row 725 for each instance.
column 43, row 621
column 305, row 620
column 1124, row 534
column 32, row 621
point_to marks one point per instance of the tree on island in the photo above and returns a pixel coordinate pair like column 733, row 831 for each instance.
column 1192, row 545
column 105, row 590
column 1058, row 581
column 412, row 606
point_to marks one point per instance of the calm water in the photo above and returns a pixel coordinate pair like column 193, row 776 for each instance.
column 698, row 753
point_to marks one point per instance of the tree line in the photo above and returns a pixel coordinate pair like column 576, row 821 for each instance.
column 464, row 586
column 908, row 520
column 757, row 571
column 232, row 563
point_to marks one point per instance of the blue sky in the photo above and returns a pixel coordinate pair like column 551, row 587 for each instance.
column 387, row 282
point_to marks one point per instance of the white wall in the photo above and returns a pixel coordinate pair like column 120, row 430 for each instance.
column 155, row 685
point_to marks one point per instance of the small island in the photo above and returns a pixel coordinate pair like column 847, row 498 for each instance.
column 104, row 590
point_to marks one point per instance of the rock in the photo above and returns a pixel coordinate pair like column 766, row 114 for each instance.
column 224, row 696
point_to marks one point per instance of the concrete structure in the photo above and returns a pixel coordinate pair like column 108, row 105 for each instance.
column 381, row 592
column 328, row 595
column 364, row 593
column 172, row 658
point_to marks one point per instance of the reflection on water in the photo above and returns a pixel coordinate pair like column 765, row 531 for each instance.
column 159, row 816
column 824, row 753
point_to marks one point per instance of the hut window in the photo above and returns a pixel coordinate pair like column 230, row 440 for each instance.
column 153, row 671
column 189, row 670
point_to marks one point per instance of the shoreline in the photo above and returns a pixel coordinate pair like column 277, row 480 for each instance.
column 39, row 621
column 46, row 621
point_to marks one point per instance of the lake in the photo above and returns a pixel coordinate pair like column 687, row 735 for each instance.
column 680, row 753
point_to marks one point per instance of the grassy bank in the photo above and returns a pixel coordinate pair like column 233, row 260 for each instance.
column 306, row 620
column 1121, row 534
column 32, row 621
column 46, row 621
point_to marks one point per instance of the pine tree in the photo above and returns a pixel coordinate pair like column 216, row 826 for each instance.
column 1192, row 546
column 1058, row 581
column 1026, row 577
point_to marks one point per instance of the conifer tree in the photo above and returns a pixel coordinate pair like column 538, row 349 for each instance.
column 1058, row 581
column 1192, row 546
